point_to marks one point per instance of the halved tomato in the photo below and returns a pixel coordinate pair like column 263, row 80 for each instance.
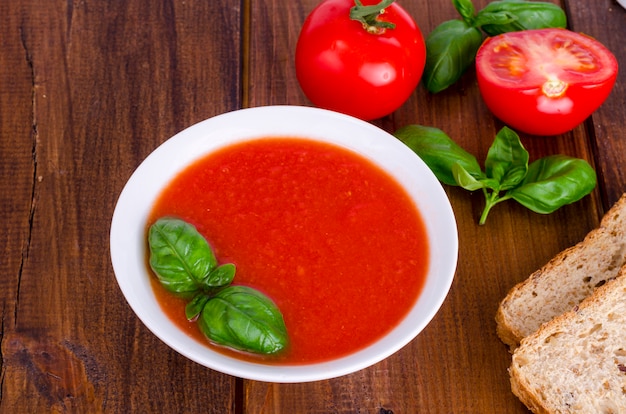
column 545, row 81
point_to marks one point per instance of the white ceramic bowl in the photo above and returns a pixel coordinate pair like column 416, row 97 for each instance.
column 128, row 245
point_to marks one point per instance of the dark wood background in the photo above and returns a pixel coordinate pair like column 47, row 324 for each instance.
column 89, row 88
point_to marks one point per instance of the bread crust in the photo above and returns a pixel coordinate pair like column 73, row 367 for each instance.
column 601, row 349
column 565, row 280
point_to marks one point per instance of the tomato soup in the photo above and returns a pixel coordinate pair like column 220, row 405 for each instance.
column 331, row 238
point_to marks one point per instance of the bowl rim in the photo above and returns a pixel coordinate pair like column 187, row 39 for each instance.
column 127, row 232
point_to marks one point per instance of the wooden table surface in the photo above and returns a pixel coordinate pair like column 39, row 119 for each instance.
column 89, row 88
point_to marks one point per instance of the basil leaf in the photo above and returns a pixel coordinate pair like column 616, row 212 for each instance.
column 243, row 318
column 439, row 152
column 179, row 255
column 494, row 19
column 507, row 159
column 450, row 49
column 193, row 308
column 464, row 179
column 466, row 10
column 524, row 15
column 222, row 275
column 553, row 182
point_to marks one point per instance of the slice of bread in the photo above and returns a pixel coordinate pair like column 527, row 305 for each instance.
column 576, row 363
column 565, row 280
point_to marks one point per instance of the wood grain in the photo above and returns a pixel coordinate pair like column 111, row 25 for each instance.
column 605, row 20
column 98, row 86
column 89, row 88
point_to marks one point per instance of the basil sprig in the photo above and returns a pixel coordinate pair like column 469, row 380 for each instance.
column 452, row 46
column 543, row 186
column 238, row 317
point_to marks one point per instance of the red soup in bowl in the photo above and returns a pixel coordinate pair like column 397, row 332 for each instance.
column 333, row 219
column 330, row 237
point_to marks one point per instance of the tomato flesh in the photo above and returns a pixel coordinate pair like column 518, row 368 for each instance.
column 343, row 67
column 545, row 81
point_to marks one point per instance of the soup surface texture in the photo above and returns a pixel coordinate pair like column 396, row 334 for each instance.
column 330, row 237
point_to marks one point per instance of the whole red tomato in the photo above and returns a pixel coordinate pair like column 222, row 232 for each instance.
column 343, row 66
column 545, row 81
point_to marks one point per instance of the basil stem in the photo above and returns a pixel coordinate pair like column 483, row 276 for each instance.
column 543, row 186
column 179, row 255
column 243, row 318
column 515, row 15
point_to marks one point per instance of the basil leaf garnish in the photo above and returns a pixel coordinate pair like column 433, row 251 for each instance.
column 222, row 275
column 239, row 317
column 193, row 308
column 179, row 255
column 243, row 318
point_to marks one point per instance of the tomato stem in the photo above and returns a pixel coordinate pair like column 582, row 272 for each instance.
column 368, row 16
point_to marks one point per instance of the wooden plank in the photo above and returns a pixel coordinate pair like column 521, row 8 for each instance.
column 17, row 165
column 457, row 364
column 605, row 20
column 104, row 83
